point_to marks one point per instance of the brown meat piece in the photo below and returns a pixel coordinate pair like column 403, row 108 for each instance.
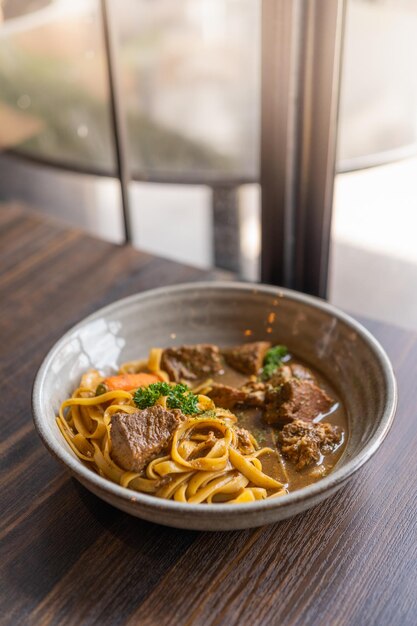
column 139, row 437
column 250, row 394
column 244, row 440
column 254, row 393
column 303, row 442
column 191, row 362
column 247, row 358
column 301, row 372
column 226, row 397
column 281, row 375
column 295, row 399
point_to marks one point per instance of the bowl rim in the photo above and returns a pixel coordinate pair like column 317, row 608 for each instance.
column 311, row 492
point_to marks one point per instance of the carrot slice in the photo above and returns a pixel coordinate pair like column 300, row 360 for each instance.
column 126, row 382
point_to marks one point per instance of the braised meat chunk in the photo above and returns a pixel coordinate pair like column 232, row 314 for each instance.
column 303, row 442
column 226, row 397
column 251, row 394
column 254, row 393
column 191, row 362
column 281, row 375
column 139, row 437
column 245, row 440
column 295, row 399
column 247, row 358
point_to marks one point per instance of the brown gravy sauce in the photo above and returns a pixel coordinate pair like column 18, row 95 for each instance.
column 278, row 466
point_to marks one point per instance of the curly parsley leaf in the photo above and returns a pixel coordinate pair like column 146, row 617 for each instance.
column 273, row 360
column 178, row 397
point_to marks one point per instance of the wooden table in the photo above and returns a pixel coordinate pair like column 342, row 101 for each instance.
column 68, row 558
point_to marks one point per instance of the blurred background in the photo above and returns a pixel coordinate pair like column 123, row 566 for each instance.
column 148, row 120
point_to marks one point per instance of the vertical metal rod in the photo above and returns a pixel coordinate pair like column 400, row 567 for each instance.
column 301, row 44
column 323, row 25
column 117, row 114
column 277, row 139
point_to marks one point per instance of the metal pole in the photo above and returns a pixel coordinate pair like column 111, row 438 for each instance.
column 323, row 25
column 301, row 55
column 278, row 145
column 117, row 114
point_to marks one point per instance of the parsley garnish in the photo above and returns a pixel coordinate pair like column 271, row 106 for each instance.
column 178, row 397
column 273, row 360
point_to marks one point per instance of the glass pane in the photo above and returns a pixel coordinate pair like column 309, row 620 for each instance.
column 373, row 268
column 190, row 87
column 54, row 97
column 190, row 72
column 164, row 210
column 189, row 211
column 378, row 108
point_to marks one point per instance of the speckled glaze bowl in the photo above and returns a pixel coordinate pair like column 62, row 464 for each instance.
column 223, row 313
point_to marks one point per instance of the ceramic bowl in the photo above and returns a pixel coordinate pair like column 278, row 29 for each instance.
column 225, row 314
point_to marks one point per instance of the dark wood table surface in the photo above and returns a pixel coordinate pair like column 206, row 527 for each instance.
column 68, row 558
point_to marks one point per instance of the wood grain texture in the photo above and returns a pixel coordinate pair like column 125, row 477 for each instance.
column 68, row 558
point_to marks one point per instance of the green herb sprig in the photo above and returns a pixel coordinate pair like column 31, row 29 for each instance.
column 178, row 397
column 273, row 360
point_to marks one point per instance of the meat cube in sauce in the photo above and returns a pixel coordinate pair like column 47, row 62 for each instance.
column 191, row 362
column 254, row 393
column 244, row 440
column 225, row 396
column 303, row 442
column 247, row 358
column 251, row 394
column 281, row 375
column 295, row 399
column 139, row 437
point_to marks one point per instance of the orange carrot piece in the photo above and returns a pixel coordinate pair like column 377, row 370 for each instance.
column 126, row 382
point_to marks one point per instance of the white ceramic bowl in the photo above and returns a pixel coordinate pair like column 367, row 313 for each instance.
column 223, row 313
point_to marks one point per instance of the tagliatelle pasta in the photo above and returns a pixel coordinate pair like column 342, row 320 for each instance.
column 206, row 461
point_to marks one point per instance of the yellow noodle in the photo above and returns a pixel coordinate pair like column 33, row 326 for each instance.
column 256, row 462
column 154, row 359
column 279, row 493
column 127, row 477
column 169, row 467
column 200, row 479
column 216, row 458
column 133, row 367
column 162, row 401
column 179, row 495
column 205, row 403
column 255, row 476
column 259, row 493
column 154, row 363
column 205, row 461
column 246, row 496
column 203, row 387
column 69, row 436
column 258, row 453
column 235, row 486
column 150, row 468
column 135, row 481
column 212, row 488
column 105, row 397
column 79, row 422
column 143, row 484
column 168, row 490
